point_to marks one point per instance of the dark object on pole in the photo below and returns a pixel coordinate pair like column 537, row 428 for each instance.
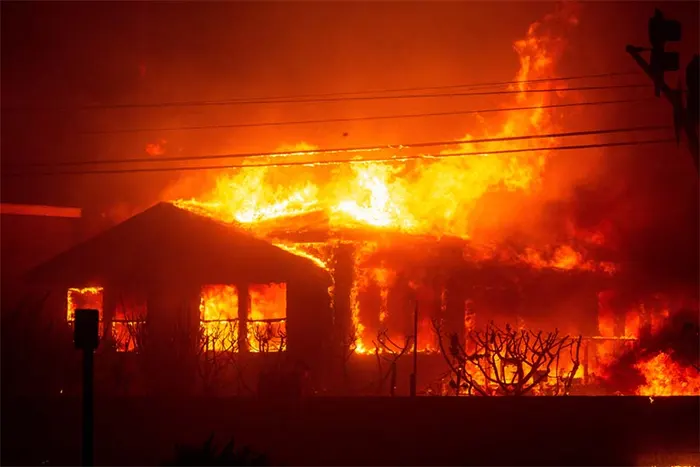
column 414, row 375
column 86, row 332
column 662, row 30
column 692, row 81
column 87, row 338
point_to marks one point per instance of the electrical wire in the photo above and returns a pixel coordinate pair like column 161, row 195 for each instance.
column 359, row 119
column 329, row 99
column 447, row 86
column 353, row 161
column 355, row 149
column 435, row 88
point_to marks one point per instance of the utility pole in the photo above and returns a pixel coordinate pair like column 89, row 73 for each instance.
column 661, row 31
column 86, row 337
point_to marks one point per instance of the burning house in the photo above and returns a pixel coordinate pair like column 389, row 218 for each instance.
column 329, row 290
column 391, row 287
column 167, row 274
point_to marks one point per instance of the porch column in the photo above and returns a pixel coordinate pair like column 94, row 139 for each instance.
column 243, row 310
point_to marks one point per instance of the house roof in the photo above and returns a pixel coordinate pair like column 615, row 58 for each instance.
column 167, row 244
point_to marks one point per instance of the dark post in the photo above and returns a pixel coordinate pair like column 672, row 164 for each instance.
column 88, row 408
column 86, row 337
column 414, row 376
column 243, row 312
column 692, row 81
column 586, row 360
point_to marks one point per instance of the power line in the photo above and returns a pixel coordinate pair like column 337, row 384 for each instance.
column 351, row 161
column 448, row 86
column 404, row 89
column 334, row 99
column 349, row 149
column 358, row 119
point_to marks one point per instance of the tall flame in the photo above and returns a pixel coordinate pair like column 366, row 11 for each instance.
column 425, row 196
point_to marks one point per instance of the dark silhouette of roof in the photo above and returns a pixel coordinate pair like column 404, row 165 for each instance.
column 167, row 244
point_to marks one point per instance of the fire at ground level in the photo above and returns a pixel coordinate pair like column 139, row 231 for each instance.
column 640, row 350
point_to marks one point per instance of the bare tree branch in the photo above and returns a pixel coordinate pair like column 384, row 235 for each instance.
column 387, row 350
column 505, row 361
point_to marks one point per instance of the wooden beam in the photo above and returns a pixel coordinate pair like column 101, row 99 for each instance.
column 38, row 210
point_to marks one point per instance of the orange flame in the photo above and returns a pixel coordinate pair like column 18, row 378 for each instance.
column 429, row 196
column 664, row 377
column 265, row 319
column 218, row 314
